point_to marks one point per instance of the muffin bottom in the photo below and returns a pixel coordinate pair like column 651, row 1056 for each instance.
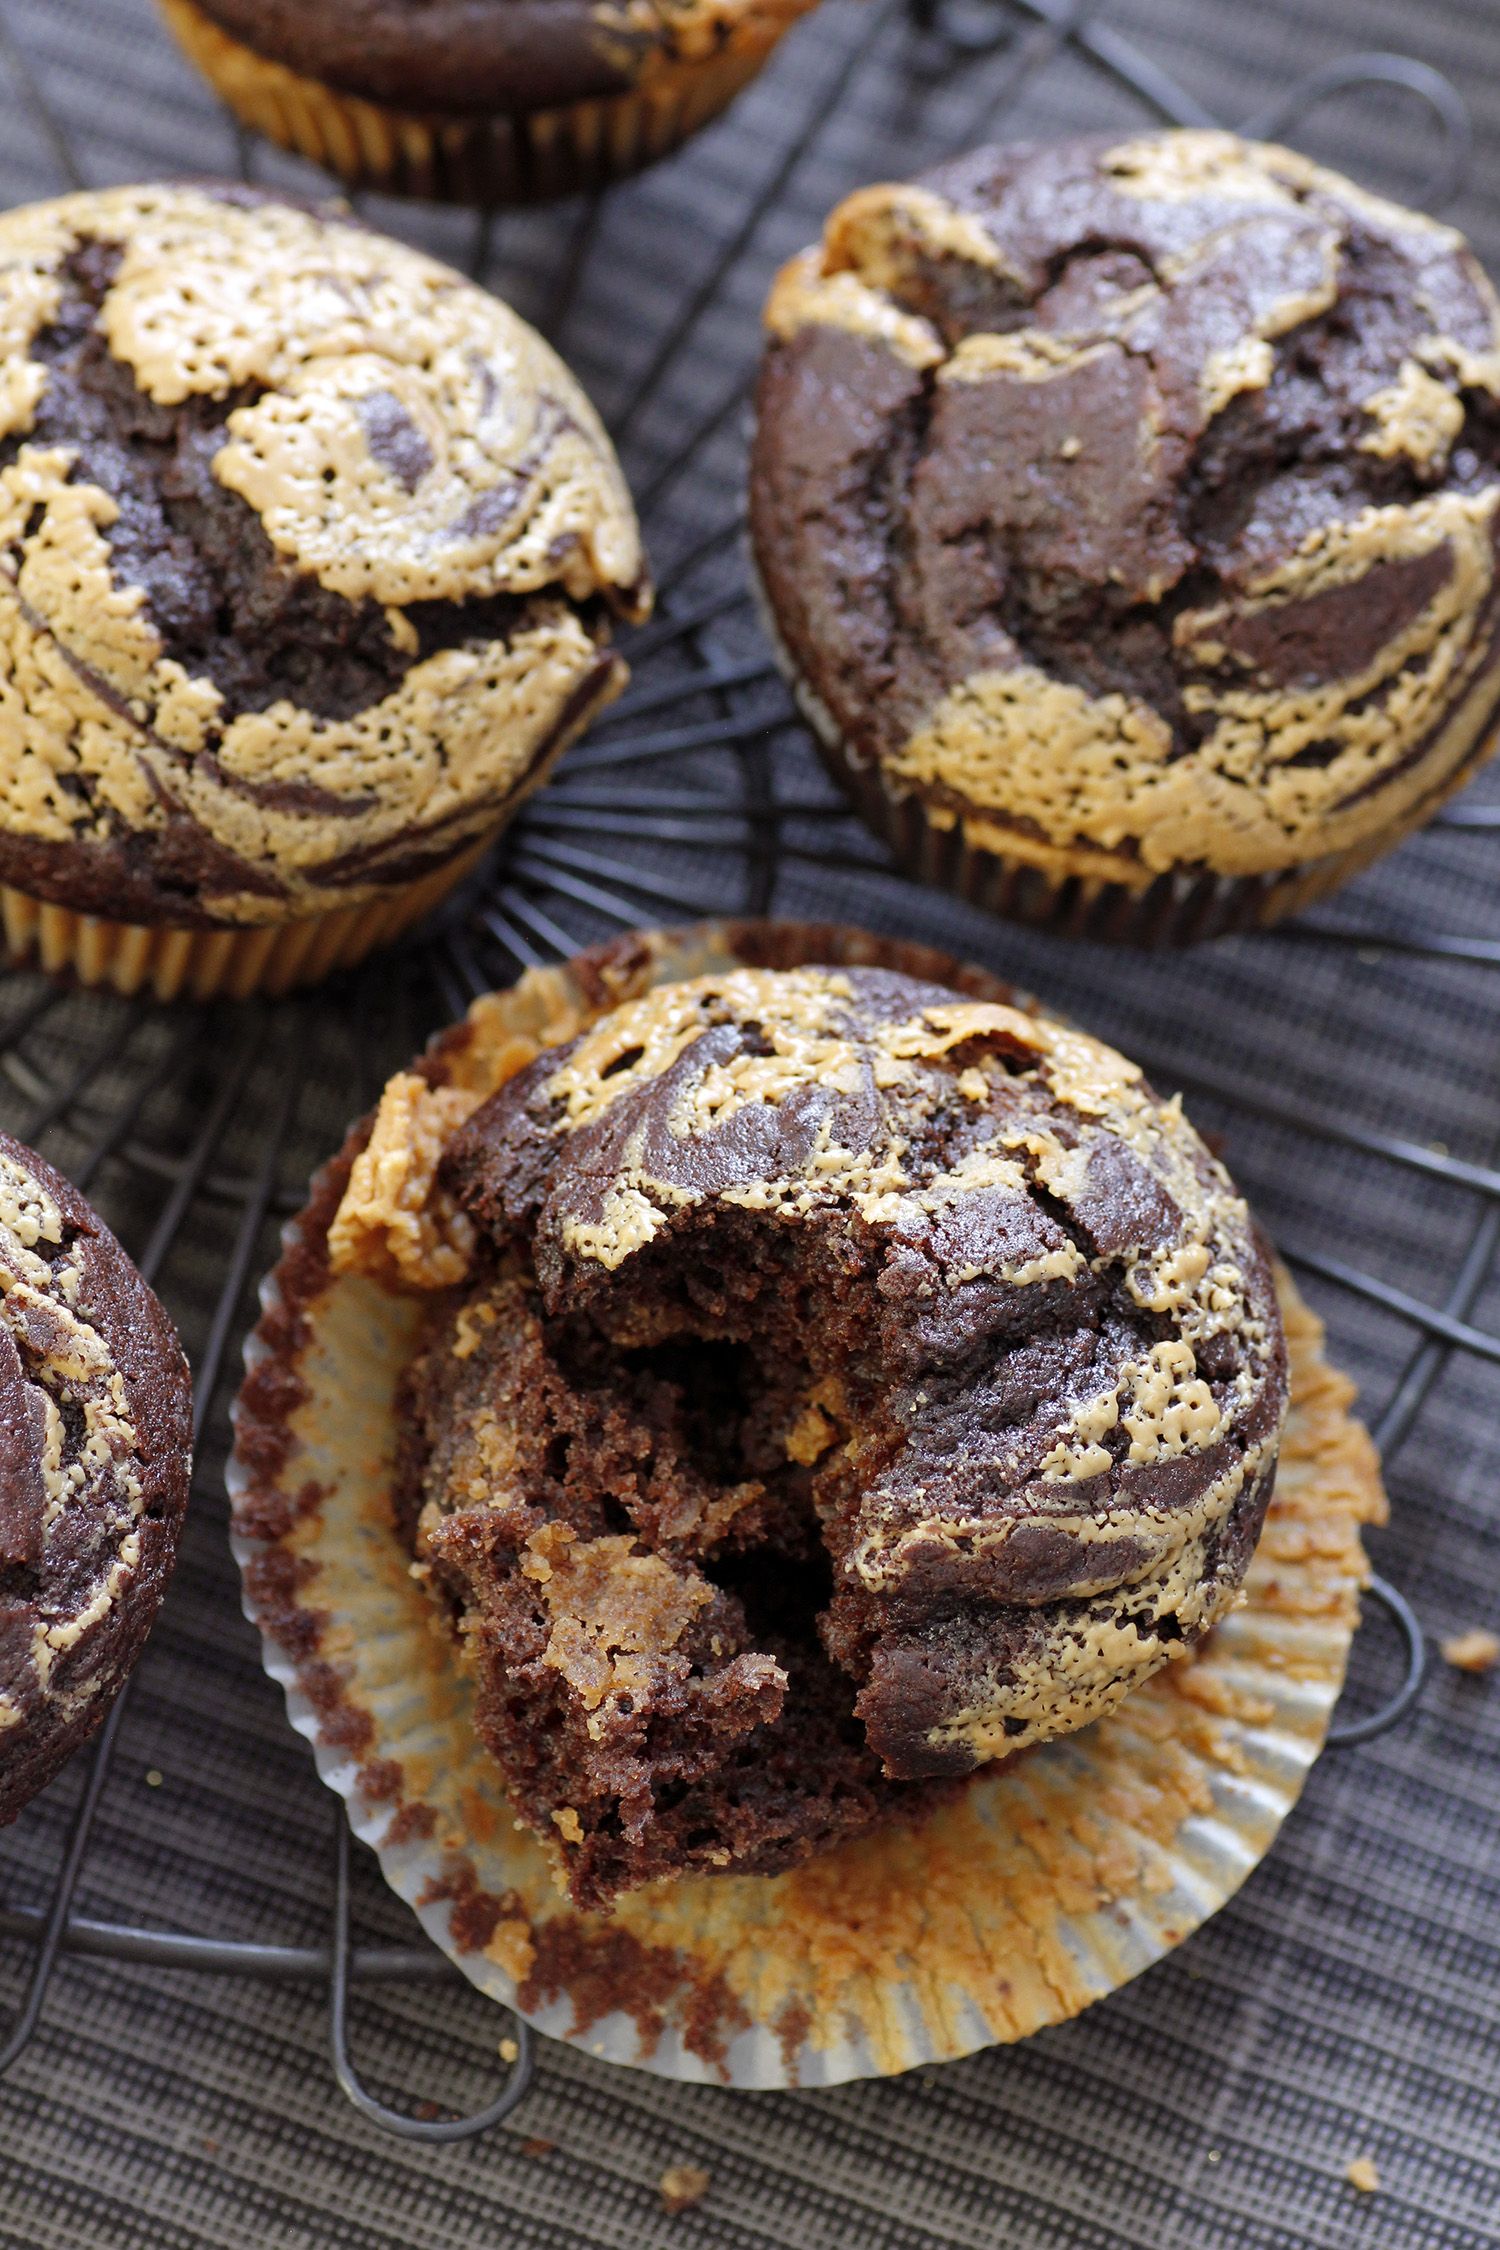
column 1183, row 906
column 208, row 964
column 529, row 157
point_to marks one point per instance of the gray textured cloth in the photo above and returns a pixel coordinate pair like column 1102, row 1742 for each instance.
column 1345, row 2003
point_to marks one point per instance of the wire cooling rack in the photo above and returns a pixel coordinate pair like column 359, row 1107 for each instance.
column 194, row 1128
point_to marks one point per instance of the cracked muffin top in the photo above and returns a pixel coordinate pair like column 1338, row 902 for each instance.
column 308, row 554
column 1137, row 500
column 815, row 1350
column 95, row 1453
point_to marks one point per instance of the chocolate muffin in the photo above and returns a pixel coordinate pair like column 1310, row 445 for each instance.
column 1126, row 512
column 309, row 551
column 838, row 1384
column 482, row 101
column 95, row 1457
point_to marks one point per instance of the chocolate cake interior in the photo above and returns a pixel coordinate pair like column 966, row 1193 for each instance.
column 674, row 1708
column 851, row 1386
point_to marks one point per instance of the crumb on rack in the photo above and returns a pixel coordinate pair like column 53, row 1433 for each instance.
column 683, row 2185
column 508, row 2051
column 536, row 2144
column 1361, row 2174
column 1473, row 1651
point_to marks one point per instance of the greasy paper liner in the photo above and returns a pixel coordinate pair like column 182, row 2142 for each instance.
column 525, row 157
column 1037, row 1890
column 205, row 964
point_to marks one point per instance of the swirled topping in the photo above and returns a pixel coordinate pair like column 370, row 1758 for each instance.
column 1134, row 503
column 307, row 553
column 842, row 1297
column 93, row 1468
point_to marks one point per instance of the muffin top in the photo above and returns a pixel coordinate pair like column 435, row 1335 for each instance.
column 95, row 1453
column 504, row 55
column 1011, row 1321
column 1133, row 502
column 308, row 551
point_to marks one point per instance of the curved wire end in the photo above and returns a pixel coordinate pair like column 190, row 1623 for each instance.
column 947, row 42
column 434, row 2130
column 1353, row 73
column 1396, row 1705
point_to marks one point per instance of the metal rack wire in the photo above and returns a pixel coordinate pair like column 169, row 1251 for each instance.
column 705, row 787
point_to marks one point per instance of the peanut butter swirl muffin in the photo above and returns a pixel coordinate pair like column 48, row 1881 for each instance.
column 1127, row 513
column 833, row 1384
column 308, row 555
column 95, row 1456
column 491, row 101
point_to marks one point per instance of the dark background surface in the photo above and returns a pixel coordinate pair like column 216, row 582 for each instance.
column 1346, row 2003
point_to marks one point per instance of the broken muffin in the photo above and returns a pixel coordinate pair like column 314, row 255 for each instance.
column 831, row 1383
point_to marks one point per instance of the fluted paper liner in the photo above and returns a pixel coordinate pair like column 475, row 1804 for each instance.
column 1040, row 1888
column 529, row 156
column 1186, row 906
column 212, row 964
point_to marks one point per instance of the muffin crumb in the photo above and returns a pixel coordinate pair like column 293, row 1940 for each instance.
column 1473, row 1651
column 1361, row 2173
column 683, row 2185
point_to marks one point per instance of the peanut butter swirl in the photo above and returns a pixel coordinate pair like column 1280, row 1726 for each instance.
column 1133, row 503
column 94, row 1459
column 308, row 549
column 1005, row 1346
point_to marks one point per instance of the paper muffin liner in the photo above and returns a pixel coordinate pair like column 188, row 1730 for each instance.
column 527, row 157
column 1179, row 908
column 1039, row 1888
column 211, row 964
column 1174, row 909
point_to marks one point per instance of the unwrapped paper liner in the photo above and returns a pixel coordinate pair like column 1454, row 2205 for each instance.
column 1039, row 1889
